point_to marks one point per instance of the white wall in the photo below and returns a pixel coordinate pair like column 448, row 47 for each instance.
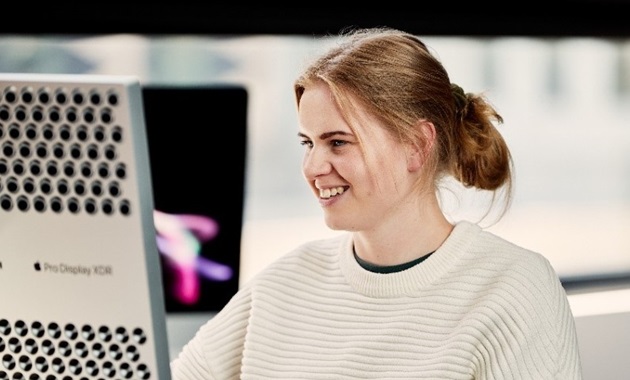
column 603, row 324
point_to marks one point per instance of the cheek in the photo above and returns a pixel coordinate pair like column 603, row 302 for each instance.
column 359, row 175
column 389, row 173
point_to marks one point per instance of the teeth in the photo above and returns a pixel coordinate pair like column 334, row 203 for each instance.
column 327, row 193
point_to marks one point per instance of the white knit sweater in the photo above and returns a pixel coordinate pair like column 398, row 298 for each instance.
column 478, row 308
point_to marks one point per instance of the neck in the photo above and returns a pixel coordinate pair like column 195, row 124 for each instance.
column 405, row 239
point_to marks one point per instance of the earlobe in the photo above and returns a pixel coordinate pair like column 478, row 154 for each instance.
column 419, row 151
column 414, row 158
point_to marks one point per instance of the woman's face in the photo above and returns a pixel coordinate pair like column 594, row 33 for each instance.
column 355, row 195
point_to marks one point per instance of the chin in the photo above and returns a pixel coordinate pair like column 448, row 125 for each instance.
column 336, row 224
column 333, row 224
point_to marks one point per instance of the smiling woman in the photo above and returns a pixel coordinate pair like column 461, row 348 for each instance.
column 403, row 292
column 358, row 158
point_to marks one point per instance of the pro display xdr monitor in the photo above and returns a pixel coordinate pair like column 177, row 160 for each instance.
column 80, row 276
column 197, row 137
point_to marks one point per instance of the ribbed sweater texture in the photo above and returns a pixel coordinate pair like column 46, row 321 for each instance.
column 480, row 307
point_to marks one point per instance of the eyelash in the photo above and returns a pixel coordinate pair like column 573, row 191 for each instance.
column 333, row 143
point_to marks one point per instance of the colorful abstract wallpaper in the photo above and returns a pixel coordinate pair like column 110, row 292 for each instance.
column 197, row 147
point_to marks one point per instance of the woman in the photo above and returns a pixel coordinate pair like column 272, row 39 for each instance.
column 406, row 293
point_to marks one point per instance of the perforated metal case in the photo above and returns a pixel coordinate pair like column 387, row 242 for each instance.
column 80, row 282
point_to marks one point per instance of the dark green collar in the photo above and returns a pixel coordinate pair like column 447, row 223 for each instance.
column 389, row 268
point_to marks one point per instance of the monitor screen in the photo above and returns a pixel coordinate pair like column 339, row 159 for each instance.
column 197, row 147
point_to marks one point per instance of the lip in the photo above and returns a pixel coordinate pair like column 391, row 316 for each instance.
column 327, row 202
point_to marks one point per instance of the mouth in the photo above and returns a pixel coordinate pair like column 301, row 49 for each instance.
column 332, row 192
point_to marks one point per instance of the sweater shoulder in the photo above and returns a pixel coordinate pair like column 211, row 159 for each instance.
column 495, row 246
column 491, row 255
column 512, row 268
column 473, row 244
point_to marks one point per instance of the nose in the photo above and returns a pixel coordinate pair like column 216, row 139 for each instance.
column 315, row 163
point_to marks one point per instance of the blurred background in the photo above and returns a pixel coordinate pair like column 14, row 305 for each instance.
column 560, row 78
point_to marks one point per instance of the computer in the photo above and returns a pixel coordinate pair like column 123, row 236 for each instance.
column 80, row 274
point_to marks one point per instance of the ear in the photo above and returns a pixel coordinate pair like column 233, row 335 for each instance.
column 419, row 151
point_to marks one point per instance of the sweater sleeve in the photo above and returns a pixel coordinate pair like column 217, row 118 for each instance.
column 215, row 352
column 552, row 338
column 543, row 343
column 568, row 363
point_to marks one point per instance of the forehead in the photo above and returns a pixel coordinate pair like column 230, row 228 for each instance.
column 319, row 111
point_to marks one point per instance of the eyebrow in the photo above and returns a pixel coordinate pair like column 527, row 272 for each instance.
column 326, row 135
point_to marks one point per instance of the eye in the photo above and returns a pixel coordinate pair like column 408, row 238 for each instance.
column 306, row 143
column 337, row 143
